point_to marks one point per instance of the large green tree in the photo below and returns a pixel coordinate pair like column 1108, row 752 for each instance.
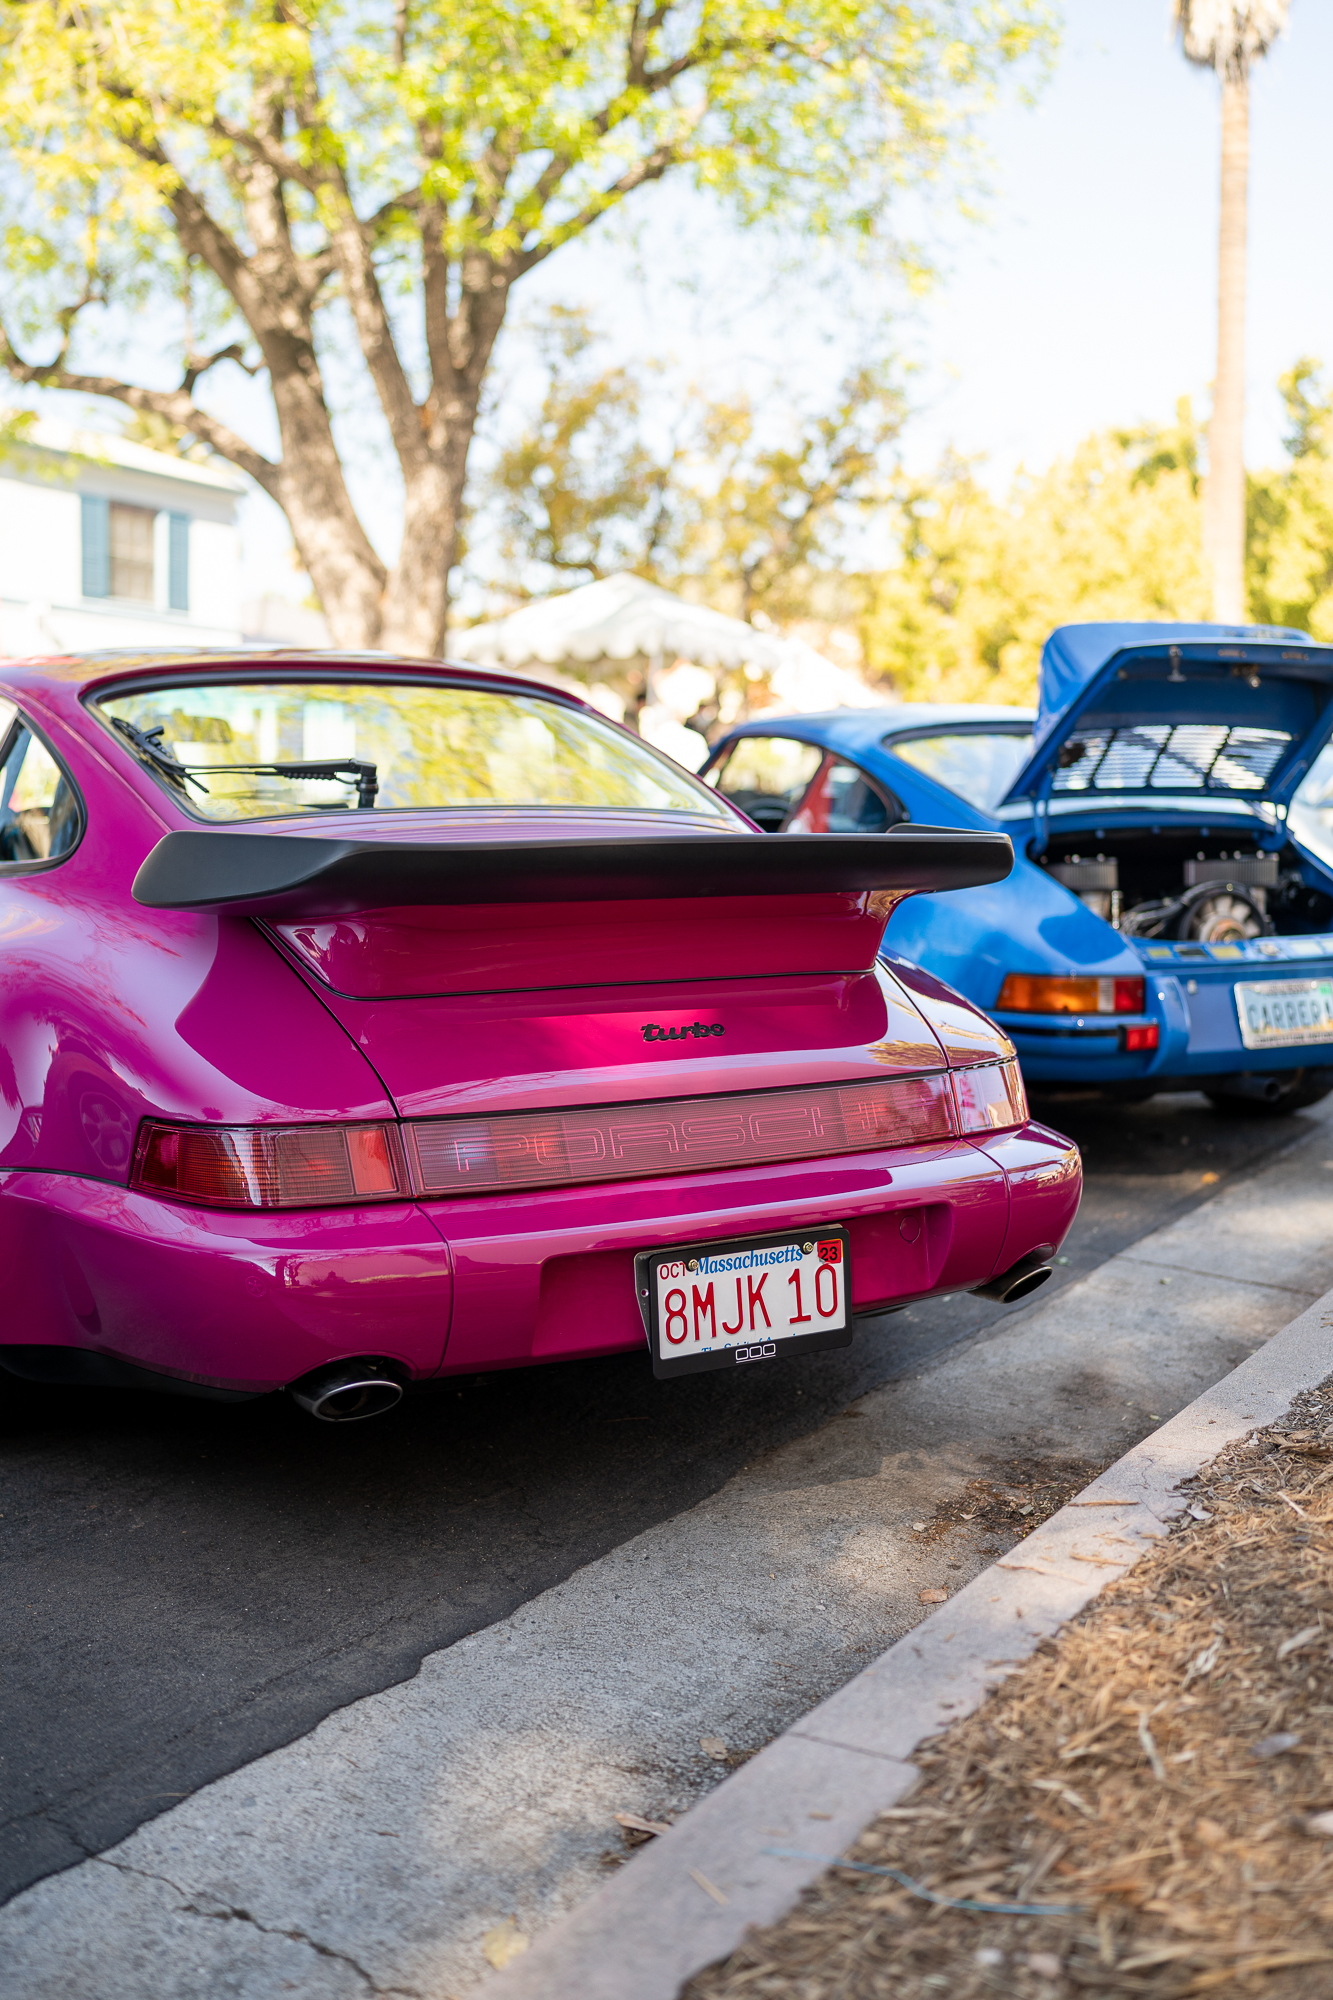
column 1111, row 531
column 623, row 469
column 265, row 179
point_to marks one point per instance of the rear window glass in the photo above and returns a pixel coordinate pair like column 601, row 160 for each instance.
column 979, row 768
column 263, row 749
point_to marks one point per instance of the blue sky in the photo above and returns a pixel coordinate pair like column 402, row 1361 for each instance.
column 1084, row 298
column 1091, row 298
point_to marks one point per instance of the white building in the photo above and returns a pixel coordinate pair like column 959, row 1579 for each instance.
column 105, row 543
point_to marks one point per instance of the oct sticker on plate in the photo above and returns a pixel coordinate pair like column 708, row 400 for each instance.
column 726, row 1305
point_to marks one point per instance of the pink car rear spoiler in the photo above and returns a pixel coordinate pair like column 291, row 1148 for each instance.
column 278, row 875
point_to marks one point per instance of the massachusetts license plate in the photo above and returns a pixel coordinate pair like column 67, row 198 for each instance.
column 725, row 1305
column 1284, row 1013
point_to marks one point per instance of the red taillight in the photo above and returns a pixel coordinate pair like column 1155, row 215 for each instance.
column 269, row 1166
column 1055, row 993
column 990, row 1098
column 1142, row 1038
column 317, row 1166
column 679, row 1136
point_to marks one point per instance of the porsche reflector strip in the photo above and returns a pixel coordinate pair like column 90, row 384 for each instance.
column 679, row 1136
column 318, row 1166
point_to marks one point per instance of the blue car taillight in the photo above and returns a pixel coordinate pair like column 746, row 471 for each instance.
column 1058, row 993
column 270, row 1166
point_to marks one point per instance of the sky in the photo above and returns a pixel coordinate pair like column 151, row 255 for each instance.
column 1086, row 295
column 1083, row 298
column 1090, row 299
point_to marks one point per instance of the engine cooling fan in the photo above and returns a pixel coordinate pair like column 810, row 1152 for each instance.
column 1212, row 913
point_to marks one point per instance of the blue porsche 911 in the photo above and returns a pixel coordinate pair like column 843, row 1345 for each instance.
column 1168, row 924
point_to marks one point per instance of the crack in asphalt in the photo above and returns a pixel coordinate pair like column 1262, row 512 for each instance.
column 233, row 1913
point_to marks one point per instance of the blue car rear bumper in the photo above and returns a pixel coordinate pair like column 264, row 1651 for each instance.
column 1191, row 996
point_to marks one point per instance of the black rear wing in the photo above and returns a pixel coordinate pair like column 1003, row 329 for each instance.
column 290, row 876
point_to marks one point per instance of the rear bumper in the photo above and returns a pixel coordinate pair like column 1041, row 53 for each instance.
column 1198, row 1033
column 251, row 1302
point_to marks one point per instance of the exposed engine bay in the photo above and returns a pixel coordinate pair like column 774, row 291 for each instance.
column 1193, row 883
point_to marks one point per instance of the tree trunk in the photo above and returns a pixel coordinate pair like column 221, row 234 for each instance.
column 416, row 597
column 1224, row 518
column 334, row 549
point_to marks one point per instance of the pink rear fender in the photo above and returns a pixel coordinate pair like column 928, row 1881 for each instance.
column 116, row 1021
column 965, row 1034
column 110, row 1013
column 1042, row 1168
column 1045, row 1176
column 242, row 1301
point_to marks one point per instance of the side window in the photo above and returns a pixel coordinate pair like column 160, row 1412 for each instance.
column 39, row 811
column 765, row 776
column 843, row 799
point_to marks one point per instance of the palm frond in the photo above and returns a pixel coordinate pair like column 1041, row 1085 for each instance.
column 1228, row 35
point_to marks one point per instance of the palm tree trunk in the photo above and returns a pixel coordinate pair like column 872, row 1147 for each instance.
column 1225, row 496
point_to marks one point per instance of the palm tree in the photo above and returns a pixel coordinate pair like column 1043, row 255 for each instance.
column 1227, row 36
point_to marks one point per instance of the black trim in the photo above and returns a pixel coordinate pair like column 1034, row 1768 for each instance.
column 1061, row 1034
column 84, row 1368
column 924, row 732
column 278, row 875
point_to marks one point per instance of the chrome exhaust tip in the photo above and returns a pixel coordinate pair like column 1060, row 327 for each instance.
column 347, row 1392
column 1020, row 1280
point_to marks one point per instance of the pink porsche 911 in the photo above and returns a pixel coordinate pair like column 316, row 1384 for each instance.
column 364, row 1022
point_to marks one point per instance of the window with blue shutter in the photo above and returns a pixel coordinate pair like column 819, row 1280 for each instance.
column 178, row 562
column 96, row 525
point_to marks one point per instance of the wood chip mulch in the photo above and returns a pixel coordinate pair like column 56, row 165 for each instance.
column 1163, row 1770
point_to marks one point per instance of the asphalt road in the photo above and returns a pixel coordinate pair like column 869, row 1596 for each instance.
column 185, row 1586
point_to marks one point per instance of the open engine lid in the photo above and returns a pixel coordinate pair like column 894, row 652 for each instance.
column 294, row 876
column 1134, row 712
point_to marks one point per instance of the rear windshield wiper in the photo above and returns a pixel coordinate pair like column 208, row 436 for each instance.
column 355, row 770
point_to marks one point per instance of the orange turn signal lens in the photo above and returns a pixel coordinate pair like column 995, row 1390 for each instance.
column 1052, row 993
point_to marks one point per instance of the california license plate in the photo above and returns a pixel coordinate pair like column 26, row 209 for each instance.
column 1284, row 1013
column 727, row 1305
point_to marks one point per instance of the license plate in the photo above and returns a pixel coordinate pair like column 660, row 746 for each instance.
column 727, row 1305
column 1284, row 1013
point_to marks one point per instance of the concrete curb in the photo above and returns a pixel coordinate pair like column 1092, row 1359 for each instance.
column 687, row 1899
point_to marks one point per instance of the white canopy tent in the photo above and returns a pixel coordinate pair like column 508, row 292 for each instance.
column 623, row 619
